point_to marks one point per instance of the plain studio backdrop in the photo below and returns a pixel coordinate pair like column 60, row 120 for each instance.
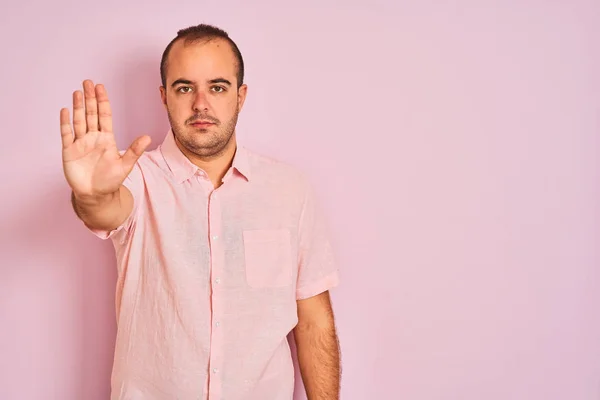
column 454, row 146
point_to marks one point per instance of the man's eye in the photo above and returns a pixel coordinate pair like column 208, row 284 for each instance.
column 218, row 89
column 184, row 89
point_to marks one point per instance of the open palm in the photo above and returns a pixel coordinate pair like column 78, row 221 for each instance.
column 92, row 163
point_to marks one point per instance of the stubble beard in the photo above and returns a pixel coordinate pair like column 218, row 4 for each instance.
column 199, row 142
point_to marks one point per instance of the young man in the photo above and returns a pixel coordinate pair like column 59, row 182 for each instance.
column 221, row 252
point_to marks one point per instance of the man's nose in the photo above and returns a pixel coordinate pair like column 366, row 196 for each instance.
column 200, row 102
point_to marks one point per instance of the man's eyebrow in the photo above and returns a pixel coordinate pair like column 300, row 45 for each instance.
column 181, row 81
column 220, row 80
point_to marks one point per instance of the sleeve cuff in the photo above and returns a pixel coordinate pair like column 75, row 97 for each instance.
column 104, row 234
column 328, row 282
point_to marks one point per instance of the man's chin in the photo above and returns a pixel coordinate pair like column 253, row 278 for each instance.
column 203, row 143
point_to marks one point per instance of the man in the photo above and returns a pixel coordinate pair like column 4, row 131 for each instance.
column 221, row 252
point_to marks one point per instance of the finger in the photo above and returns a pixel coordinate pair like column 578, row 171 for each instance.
column 134, row 152
column 79, row 125
column 104, row 111
column 91, row 106
column 65, row 128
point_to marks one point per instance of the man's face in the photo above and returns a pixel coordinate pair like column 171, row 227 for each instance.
column 201, row 96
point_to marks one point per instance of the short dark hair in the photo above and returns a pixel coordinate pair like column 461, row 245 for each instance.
column 199, row 33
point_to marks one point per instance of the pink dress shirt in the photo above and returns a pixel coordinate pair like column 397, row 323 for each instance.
column 208, row 279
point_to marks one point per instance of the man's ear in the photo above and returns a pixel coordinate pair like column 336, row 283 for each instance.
column 242, row 92
column 163, row 95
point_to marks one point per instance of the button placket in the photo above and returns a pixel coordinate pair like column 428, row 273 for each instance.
column 217, row 267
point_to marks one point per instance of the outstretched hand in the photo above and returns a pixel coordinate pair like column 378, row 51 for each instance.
column 92, row 163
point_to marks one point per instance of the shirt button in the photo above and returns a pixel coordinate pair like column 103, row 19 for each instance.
column 215, row 237
column 218, row 324
column 218, row 280
column 214, row 370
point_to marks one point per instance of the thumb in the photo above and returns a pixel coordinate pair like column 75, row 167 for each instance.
column 135, row 151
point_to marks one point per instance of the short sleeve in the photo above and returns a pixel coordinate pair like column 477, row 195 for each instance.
column 135, row 183
column 317, row 268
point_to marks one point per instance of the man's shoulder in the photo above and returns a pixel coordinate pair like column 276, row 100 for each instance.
column 270, row 166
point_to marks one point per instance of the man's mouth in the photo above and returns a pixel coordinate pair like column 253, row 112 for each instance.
column 201, row 123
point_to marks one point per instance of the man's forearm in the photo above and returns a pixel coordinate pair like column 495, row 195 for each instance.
column 319, row 360
column 106, row 212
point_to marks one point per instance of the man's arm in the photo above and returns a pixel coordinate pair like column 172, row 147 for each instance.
column 93, row 166
column 318, row 348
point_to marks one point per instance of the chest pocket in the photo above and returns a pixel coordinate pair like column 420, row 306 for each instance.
column 268, row 258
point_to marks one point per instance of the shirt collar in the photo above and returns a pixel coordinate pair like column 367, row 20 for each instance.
column 183, row 169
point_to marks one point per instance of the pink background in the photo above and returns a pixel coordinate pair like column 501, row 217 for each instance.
column 455, row 148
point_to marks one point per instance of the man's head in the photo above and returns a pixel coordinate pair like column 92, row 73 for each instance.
column 202, row 74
